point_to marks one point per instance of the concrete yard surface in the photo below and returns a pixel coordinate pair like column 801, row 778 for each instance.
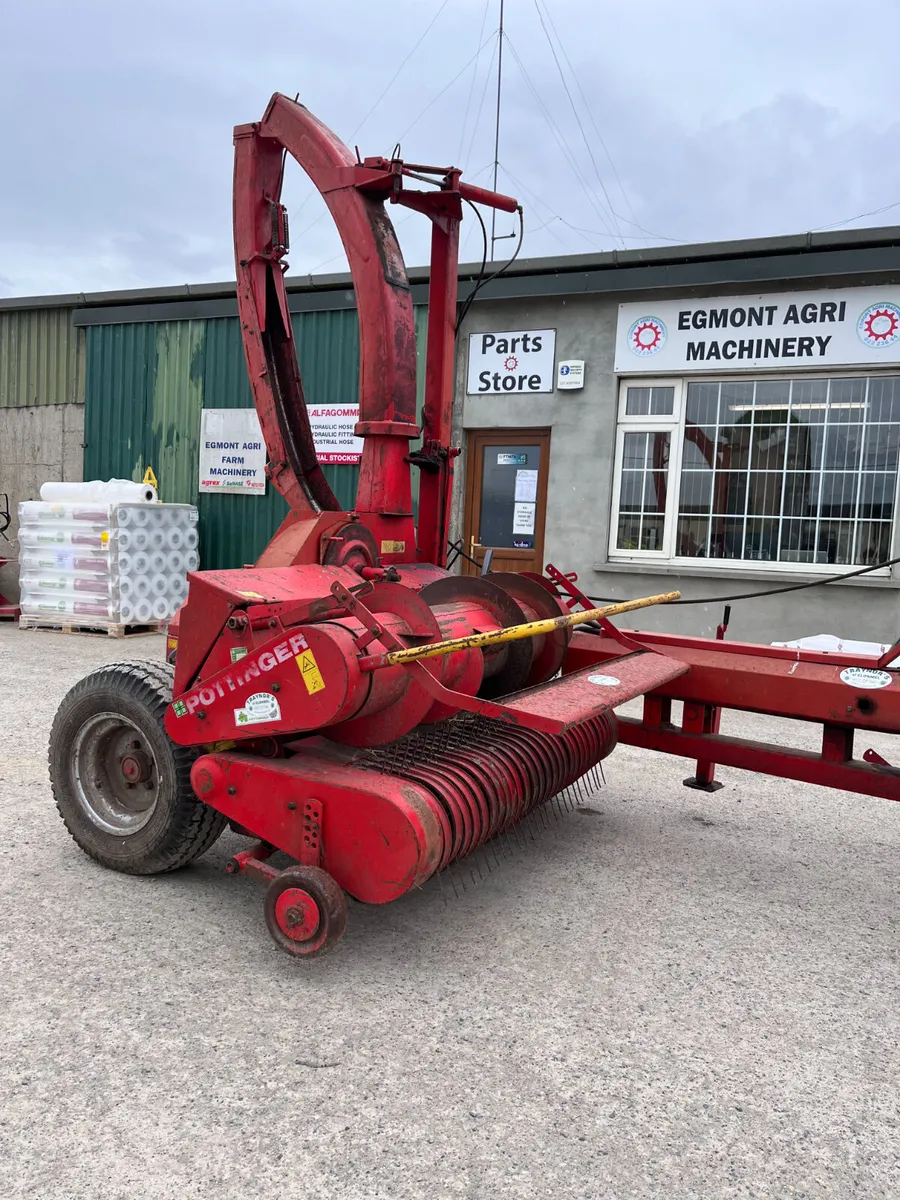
column 665, row 994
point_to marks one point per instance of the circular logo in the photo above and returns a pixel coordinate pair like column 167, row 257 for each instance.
column 879, row 325
column 510, row 363
column 564, row 370
column 646, row 336
column 604, row 680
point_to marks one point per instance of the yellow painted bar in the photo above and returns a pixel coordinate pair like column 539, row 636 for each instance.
column 516, row 633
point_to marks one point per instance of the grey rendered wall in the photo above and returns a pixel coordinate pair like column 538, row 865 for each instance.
column 39, row 443
column 582, row 446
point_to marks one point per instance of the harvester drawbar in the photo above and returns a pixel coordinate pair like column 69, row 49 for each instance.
column 349, row 701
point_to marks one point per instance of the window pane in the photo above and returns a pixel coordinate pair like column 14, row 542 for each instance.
column 692, row 537
column 643, row 491
column 873, row 542
column 884, row 400
column 702, row 404
column 652, row 533
column 649, row 401
column 635, row 452
column 790, row 470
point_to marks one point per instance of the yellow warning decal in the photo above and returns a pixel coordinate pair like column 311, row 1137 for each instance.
column 104, row 537
column 393, row 547
column 251, row 595
column 309, row 671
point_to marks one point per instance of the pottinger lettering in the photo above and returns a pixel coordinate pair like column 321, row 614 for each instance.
column 251, row 668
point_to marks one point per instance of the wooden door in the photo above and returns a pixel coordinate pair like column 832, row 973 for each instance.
column 506, row 498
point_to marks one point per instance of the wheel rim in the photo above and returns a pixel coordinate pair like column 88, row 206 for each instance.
column 297, row 914
column 115, row 774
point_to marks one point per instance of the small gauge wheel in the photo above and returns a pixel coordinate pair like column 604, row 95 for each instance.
column 306, row 911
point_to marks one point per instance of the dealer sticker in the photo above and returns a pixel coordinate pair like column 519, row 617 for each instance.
column 604, row 680
column 180, row 708
column 865, row 677
column 260, row 708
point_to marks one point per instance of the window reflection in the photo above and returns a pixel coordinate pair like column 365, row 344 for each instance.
column 799, row 471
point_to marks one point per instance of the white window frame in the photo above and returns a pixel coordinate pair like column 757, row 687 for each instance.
column 674, row 426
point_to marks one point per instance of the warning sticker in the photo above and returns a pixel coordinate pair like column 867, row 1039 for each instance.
column 309, row 671
column 238, row 652
column 391, row 547
column 260, row 708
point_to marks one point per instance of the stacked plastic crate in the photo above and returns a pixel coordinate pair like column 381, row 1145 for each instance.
column 102, row 564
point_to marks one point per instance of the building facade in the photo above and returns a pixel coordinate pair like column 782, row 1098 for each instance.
column 721, row 419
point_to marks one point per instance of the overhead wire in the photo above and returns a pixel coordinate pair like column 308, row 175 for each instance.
column 462, row 136
column 578, row 120
column 560, row 139
column 393, row 79
column 859, row 216
column 391, row 83
column 634, row 221
column 445, row 88
column 487, row 80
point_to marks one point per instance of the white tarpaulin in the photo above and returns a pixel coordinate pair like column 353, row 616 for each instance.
column 232, row 451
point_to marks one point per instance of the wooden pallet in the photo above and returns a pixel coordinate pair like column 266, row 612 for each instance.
column 110, row 629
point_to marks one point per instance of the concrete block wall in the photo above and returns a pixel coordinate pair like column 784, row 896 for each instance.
column 37, row 444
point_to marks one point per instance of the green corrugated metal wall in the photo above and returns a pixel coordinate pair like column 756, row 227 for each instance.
column 147, row 383
column 41, row 358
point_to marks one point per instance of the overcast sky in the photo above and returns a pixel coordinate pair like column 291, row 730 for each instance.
column 702, row 119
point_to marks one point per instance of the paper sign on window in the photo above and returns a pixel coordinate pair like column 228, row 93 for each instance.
column 523, row 518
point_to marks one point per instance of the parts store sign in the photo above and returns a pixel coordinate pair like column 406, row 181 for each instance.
column 785, row 330
column 511, row 363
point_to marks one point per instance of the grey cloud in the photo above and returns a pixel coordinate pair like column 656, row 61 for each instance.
column 722, row 121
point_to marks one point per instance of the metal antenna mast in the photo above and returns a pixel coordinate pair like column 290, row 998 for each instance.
column 497, row 127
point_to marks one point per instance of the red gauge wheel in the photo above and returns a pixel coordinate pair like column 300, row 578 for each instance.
column 306, row 911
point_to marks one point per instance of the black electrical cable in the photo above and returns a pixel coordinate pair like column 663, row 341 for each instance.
column 467, row 303
column 482, row 282
column 793, row 587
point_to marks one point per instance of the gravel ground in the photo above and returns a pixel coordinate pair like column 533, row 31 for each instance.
column 667, row 994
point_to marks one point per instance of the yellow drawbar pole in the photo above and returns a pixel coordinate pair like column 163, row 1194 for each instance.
column 515, row 633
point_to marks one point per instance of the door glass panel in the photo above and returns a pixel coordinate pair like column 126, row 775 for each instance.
column 509, row 479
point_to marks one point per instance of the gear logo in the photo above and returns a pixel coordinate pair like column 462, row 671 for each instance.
column 879, row 325
column 647, row 336
column 510, row 363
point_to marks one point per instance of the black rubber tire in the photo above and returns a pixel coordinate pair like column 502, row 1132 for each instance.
column 181, row 827
column 330, row 901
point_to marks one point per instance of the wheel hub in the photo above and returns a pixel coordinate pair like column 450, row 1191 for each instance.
column 115, row 775
column 297, row 914
column 137, row 767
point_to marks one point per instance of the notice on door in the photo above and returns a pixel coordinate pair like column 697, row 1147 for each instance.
column 332, row 429
column 523, row 518
column 526, row 485
column 232, row 451
column 511, row 362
